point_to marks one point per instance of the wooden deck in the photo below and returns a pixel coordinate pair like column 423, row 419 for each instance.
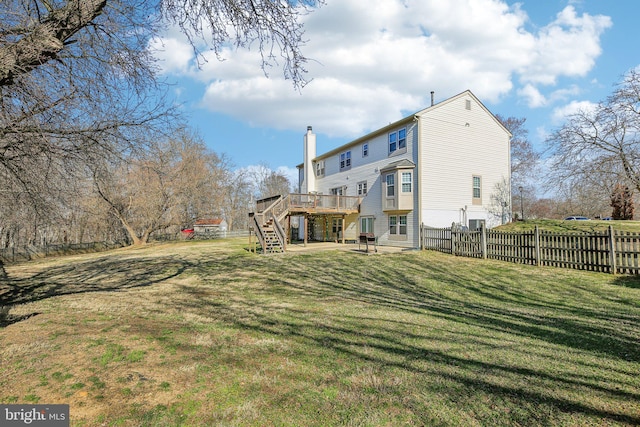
column 312, row 204
column 271, row 212
column 322, row 204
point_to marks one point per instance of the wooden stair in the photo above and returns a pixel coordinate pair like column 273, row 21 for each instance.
column 267, row 222
column 272, row 243
column 268, row 228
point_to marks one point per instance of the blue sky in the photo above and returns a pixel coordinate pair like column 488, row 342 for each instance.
column 376, row 61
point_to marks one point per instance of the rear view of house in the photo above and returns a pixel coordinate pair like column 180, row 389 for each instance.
column 439, row 166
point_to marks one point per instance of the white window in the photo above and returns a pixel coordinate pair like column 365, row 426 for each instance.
column 366, row 224
column 477, row 188
column 467, row 104
column 406, row 182
column 320, row 168
column 397, row 140
column 345, row 160
column 402, row 138
column 402, row 225
column 398, row 225
column 391, row 186
column 338, row 191
column 362, row 188
column 365, row 150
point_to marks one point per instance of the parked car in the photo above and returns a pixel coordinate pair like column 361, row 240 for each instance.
column 576, row 218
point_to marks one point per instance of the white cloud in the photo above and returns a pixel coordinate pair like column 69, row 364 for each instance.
column 290, row 173
column 560, row 114
column 374, row 62
column 532, row 96
column 564, row 93
column 174, row 55
column 542, row 133
column 566, row 47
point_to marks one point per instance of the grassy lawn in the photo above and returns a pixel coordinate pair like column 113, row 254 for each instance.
column 206, row 334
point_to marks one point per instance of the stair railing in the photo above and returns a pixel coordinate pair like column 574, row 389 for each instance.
column 282, row 238
column 257, row 223
column 276, row 211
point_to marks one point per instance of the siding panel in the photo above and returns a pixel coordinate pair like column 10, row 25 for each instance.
column 456, row 145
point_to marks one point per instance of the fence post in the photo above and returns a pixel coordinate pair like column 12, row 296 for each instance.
column 483, row 241
column 453, row 239
column 536, row 236
column 612, row 250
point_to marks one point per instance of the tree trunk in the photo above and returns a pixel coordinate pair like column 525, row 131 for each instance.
column 45, row 40
column 3, row 272
column 136, row 241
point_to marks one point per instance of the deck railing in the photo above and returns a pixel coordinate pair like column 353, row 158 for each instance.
column 276, row 208
column 263, row 204
column 324, row 202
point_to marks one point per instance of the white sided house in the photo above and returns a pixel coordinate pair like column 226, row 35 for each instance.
column 436, row 167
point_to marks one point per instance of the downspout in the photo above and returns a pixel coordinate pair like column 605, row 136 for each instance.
column 509, row 172
column 418, row 186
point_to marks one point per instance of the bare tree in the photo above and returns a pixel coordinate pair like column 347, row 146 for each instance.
column 274, row 26
column 267, row 182
column 601, row 145
column 589, row 198
column 500, row 202
column 201, row 178
column 238, row 200
column 39, row 32
column 525, row 161
column 170, row 184
column 77, row 80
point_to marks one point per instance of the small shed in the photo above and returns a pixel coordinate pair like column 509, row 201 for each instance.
column 210, row 226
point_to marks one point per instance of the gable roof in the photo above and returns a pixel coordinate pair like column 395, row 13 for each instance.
column 405, row 120
column 458, row 96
